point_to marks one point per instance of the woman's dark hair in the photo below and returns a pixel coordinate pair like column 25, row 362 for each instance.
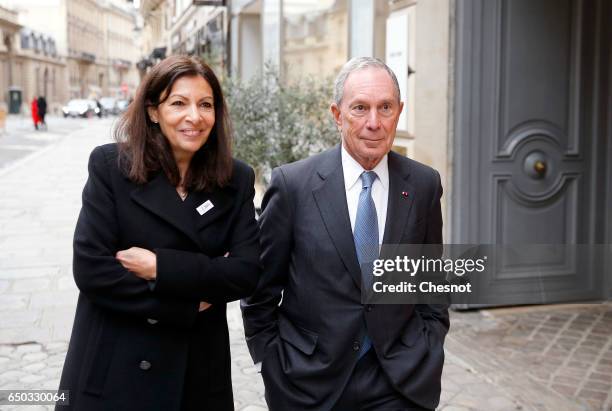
column 143, row 149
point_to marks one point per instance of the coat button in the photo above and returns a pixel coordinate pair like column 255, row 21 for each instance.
column 145, row 365
column 356, row 346
column 151, row 321
column 369, row 307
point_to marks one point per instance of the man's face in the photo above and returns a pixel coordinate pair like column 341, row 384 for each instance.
column 367, row 116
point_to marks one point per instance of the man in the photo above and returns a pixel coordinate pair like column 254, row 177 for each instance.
column 320, row 347
column 42, row 110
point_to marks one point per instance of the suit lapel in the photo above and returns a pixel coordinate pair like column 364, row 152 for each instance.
column 330, row 198
column 401, row 198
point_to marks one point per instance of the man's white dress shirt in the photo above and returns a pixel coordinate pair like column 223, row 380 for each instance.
column 380, row 189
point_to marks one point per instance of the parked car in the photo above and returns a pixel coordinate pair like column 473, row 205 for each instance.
column 122, row 105
column 80, row 108
column 109, row 105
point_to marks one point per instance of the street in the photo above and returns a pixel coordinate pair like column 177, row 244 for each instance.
column 41, row 178
column 23, row 139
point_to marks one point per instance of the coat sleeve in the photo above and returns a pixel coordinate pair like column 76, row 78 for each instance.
column 220, row 279
column 260, row 311
column 98, row 274
column 435, row 316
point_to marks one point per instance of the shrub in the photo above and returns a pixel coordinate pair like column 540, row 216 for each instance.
column 276, row 123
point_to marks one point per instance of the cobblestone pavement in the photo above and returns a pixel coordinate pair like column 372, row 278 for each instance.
column 562, row 350
column 543, row 358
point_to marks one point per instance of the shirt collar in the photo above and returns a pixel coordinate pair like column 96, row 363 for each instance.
column 352, row 170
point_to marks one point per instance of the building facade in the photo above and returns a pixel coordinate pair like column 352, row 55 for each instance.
column 315, row 42
column 183, row 27
column 122, row 49
column 101, row 48
column 87, row 61
column 156, row 16
column 41, row 70
column 9, row 44
column 76, row 49
column 30, row 65
column 508, row 100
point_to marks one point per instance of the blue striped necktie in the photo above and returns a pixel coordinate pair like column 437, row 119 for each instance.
column 366, row 238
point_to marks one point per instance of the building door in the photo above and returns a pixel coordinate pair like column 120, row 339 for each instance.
column 530, row 142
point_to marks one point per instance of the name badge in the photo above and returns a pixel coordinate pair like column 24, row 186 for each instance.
column 205, row 207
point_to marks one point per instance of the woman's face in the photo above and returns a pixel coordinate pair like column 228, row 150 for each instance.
column 187, row 115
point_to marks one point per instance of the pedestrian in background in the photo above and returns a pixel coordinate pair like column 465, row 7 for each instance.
column 165, row 238
column 42, row 110
column 100, row 108
column 3, row 112
column 34, row 112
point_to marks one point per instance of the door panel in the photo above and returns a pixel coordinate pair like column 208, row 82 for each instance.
column 524, row 143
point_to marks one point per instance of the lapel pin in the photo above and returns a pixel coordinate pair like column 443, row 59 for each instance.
column 205, row 207
column 405, row 194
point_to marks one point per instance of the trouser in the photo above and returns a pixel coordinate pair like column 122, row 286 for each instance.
column 369, row 389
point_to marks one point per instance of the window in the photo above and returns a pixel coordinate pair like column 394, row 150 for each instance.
column 314, row 38
column 25, row 40
column 35, row 43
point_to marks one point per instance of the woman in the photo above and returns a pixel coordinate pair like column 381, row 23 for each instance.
column 166, row 236
column 34, row 112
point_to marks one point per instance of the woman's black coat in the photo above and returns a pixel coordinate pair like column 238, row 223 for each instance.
column 138, row 345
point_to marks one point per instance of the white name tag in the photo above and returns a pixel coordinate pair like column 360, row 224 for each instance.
column 205, row 207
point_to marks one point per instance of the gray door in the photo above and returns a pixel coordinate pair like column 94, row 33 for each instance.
column 527, row 167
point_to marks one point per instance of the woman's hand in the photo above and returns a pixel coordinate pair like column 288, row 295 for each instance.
column 141, row 262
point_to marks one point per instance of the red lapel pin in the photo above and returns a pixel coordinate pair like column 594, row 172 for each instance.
column 404, row 194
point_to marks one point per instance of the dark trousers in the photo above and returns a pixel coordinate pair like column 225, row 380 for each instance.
column 369, row 389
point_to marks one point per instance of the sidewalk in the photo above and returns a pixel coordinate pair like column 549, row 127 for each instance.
column 539, row 358
column 556, row 357
column 20, row 139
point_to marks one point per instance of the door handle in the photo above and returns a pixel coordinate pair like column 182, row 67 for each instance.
column 536, row 165
column 540, row 167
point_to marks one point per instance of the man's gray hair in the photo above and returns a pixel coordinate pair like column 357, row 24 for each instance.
column 360, row 63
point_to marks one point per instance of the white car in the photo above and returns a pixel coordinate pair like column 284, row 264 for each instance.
column 122, row 105
column 80, row 108
column 109, row 105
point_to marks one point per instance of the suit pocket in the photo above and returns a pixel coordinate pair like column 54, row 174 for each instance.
column 414, row 330
column 298, row 337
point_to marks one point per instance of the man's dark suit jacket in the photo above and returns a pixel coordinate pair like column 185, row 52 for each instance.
column 309, row 344
column 134, row 348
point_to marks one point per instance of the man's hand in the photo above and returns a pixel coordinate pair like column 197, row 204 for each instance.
column 139, row 261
